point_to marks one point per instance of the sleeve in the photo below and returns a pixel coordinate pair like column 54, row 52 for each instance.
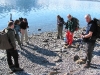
column 11, row 36
column 93, row 28
column 66, row 27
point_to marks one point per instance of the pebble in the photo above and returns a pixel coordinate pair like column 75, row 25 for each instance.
column 48, row 52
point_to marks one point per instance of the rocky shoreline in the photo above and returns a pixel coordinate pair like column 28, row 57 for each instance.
column 45, row 55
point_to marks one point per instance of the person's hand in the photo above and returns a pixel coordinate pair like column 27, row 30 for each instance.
column 65, row 30
column 82, row 36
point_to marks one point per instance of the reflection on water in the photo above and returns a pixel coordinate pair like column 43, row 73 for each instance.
column 42, row 13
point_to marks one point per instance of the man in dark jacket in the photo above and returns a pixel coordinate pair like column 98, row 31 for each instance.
column 70, row 26
column 12, row 52
column 90, row 39
column 60, row 22
column 24, row 26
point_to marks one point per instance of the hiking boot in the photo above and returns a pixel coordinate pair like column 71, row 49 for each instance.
column 86, row 66
column 58, row 37
column 18, row 69
column 66, row 44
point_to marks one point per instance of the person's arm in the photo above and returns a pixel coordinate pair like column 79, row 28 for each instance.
column 88, row 35
column 92, row 29
column 11, row 36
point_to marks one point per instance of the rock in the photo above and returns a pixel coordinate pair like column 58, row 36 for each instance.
column 53, row 73
column 2, row 55
column 58, row 50
column 46, row 40
column 39, row 29
column 76, row 57
column 67, row 74
column 57, row 59
column 80, row 61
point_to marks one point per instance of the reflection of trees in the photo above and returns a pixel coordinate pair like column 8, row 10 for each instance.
column 20, row 6
column 26, row 5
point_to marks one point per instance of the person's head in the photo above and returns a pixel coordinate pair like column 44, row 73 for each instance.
column 17, row 22
column 21, row 19
column 11, row 25
column 24, row 19
column 69, row 17
column 88, row 18
column 58, row 16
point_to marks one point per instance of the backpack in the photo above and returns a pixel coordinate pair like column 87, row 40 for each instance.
column 97, row 23
column 76, row 23
column 4, row 40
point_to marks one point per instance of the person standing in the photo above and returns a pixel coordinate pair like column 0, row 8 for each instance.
column 60, row 23
column 13, row 51
column 17, row 30
column 70, row 28
column 24, row 26
column 89, row 38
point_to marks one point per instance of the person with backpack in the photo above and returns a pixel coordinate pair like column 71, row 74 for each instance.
column 24, row 26
column 17, row 30
column 12, row 52
column 70, row 27
column 89, row 38
column 60, row 22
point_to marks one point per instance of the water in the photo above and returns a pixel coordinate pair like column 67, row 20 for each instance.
column 41, row 14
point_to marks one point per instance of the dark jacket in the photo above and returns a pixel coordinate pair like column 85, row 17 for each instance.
column 60, row 22
column 24, row 25
column 91, row 27
column 70, row 25
column 11, row 37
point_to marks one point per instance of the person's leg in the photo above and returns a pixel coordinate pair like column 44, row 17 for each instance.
column 89, row 54
column 26, row 36
column 22, row 35
column 67, row 37
column 70, row 38
column 15, row 57
column 18, row 39
column 61, row 32
column 58, row 36
column 9, row 60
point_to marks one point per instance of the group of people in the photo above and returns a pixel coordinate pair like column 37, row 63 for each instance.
column 14, row 28
column 21, row 25
column 89, row 37
column 70, row 26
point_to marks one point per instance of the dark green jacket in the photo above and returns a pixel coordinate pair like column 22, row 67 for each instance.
column 11, row 36
column 70, row 25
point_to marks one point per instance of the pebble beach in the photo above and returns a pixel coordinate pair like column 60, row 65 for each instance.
column 46, row 55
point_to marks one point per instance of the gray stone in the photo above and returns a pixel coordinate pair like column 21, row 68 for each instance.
column 2, row 55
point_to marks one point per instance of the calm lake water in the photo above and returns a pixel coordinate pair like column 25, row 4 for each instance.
column 41, row 14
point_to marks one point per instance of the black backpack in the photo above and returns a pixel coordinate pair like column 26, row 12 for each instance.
column 97, row 23
column 76, row 23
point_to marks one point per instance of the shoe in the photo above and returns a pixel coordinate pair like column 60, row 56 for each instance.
column 58, row 37
column 11, row 66
column 22, row 44
column 21, row 47
column 27, row 42
column 66, row 44
column 18, row 69
column 86, row 66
